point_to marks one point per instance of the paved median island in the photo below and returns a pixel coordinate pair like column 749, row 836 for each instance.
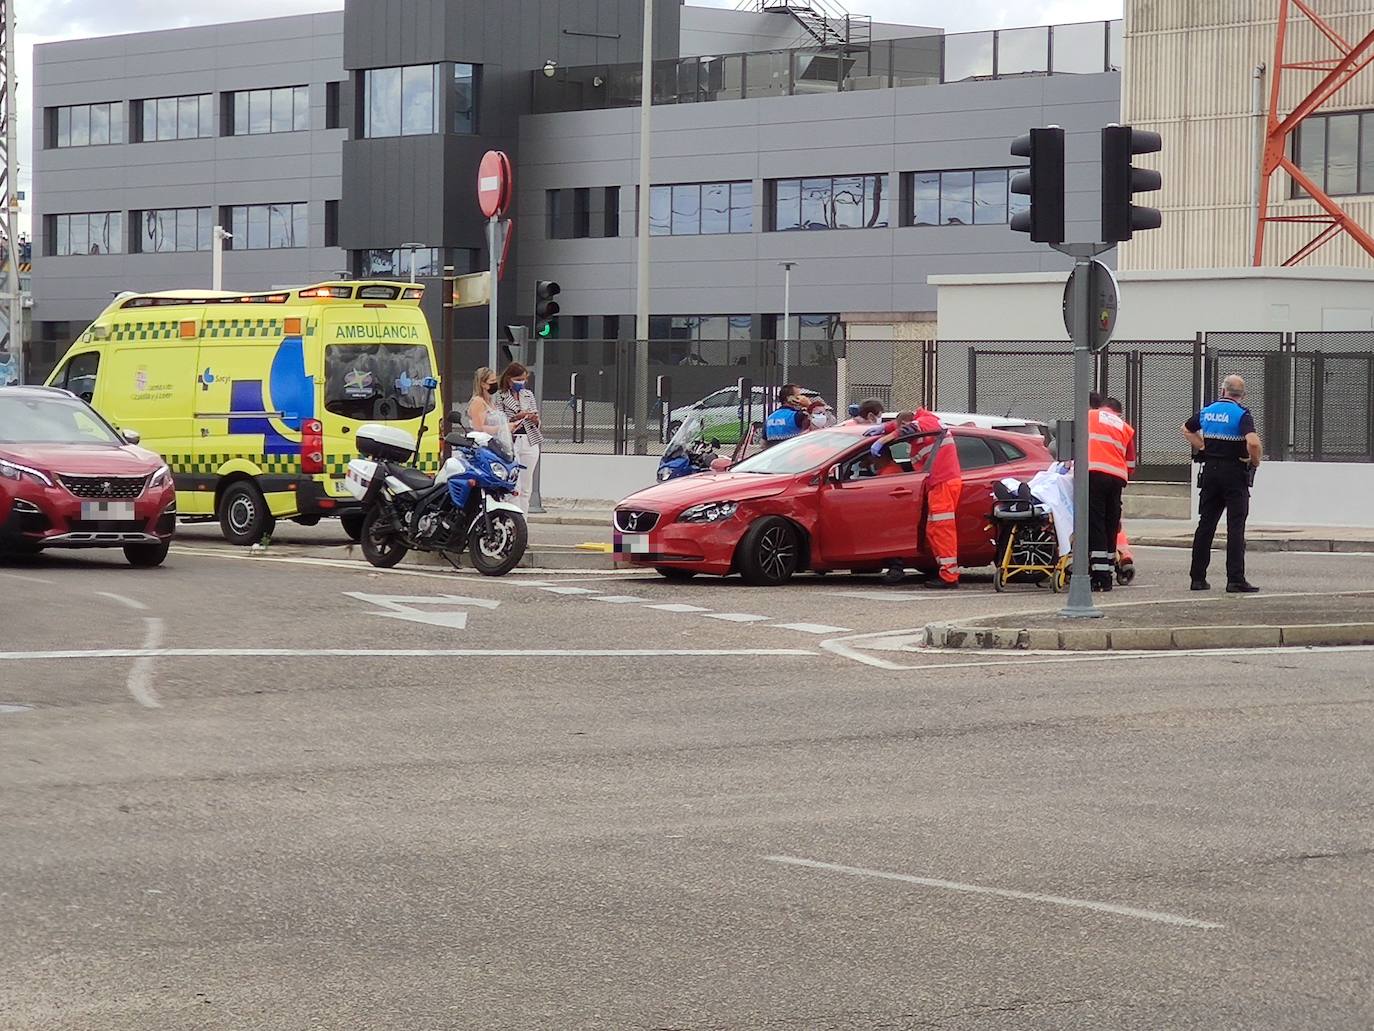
column 1219, row 621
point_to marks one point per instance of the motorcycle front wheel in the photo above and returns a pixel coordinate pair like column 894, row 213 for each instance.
column 495, row 551
column 382, row 544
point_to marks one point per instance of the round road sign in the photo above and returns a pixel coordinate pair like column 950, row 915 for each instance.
column 1104, row 298
column 494, row 183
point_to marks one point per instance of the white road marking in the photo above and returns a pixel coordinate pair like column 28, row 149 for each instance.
column 616, row 599
column 140, row 681
column 569, row 590
column 737, row 617
column 401, row 607
column 126, row 602
column 28, row 579
column 677, row 606
column 1003, row 893
column 812, row 628
column 396, row 653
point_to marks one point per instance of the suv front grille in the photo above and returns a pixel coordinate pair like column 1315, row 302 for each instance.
column 628, row 520
column 104, row 487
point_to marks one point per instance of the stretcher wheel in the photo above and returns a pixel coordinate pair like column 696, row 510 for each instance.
column 1125, row 573
column 999, row 580
column 1061, row 578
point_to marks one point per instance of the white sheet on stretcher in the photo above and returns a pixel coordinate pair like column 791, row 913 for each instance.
column 1054, row 489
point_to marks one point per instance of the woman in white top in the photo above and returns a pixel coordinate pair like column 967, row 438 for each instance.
column 516, row 400
column 484, row 387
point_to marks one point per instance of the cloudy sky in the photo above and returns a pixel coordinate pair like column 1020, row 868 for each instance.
column 44, row 20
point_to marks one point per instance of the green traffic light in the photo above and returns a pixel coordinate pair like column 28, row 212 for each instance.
column 546, row 329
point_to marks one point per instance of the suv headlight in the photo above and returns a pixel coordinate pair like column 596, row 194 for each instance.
column 711, row 512
column 161, row 477
column 15, row 471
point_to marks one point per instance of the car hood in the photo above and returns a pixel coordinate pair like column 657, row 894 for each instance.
column 703, row 487
column 84, row 459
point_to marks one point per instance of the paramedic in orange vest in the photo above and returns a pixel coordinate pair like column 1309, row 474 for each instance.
column 944, row 484
column 1111, row 457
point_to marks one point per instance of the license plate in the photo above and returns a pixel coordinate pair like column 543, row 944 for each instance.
column 632, row 543
column 340, row 486
column 107, row 510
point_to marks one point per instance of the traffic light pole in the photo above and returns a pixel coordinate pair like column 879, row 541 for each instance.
column 1080, row 604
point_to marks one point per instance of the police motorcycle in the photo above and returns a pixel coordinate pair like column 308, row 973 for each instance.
column 688, row 451
column 463, row 508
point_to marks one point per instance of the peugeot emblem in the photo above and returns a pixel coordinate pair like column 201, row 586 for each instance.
column 107, row 487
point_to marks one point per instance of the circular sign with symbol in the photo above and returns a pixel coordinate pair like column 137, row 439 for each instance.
column 494, row 183
column 1104, row 297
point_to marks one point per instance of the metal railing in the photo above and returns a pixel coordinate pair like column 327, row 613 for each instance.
column 859, row 64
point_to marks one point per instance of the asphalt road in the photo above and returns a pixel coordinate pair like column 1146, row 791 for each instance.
column 279, row 792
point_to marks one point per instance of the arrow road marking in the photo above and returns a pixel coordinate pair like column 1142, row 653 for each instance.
column 404, row 607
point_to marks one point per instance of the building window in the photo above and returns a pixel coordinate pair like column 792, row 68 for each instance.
column 99, row 232
column 332, row 105
column 284, row 109
column 834, row 202
column 817, row 339
column 175, row 118
column 704, row 339
column 263, row 227
column 612, row 223
column 87, row 125
column 582, row 213
column 463, row 101
column 401, row 101
column 331, row 223
column 965, row 197
column 172, row 229
column 701, row 209
column 395, row 264
column 1336, row 152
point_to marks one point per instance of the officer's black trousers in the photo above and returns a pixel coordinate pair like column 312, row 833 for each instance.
column 1225, row 488
column 1104, row 521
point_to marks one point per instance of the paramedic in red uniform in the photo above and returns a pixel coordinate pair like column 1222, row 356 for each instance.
column 944, row 484
column 1111, row 457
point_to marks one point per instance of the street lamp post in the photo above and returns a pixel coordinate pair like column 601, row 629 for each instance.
column 412, row 247
column 787, row 267
column 642, row 273
column 217, row 239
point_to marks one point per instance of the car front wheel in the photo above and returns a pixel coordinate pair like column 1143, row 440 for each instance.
column 146, row 556
column 769, row 552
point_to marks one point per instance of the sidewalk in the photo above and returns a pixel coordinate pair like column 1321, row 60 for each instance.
column 1216, row 621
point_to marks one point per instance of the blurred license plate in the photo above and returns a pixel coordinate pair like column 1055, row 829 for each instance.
column 107, row 510
column 341, row 486
column 632, row 543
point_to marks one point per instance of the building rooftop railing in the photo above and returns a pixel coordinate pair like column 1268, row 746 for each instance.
column 1074, row 49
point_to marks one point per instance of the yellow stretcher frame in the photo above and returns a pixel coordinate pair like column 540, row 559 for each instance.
column 1005, row 568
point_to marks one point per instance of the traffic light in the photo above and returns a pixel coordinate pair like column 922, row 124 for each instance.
column 1043, row 183
column 1121, row 180
column 545, row 307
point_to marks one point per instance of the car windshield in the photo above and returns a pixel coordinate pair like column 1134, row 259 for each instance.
column 384, row 382
column 799, row 454
column 51, row 420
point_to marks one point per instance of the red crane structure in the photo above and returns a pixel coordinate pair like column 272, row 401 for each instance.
column 1350, row 59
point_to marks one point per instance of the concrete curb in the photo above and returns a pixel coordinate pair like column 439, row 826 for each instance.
column 1263, row 544
column 602, row 522
column 1093, row 639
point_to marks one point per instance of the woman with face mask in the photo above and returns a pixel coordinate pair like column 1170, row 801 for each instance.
column 516, row 400
column 484, row 387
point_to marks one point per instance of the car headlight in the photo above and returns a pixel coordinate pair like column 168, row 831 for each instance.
column 160, row 478
column 15, row 471
column 711, row 512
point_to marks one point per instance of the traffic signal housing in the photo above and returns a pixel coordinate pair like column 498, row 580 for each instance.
column 1043, row 183
column 1121, row 181
column 545, row 307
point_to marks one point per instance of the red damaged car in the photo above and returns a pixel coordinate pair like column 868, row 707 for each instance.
column 68, row 480
column 815, row 502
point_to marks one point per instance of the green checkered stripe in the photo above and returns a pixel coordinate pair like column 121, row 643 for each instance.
column 241, row 328
column 163, row 330
column 210, row 464
column 337, row 465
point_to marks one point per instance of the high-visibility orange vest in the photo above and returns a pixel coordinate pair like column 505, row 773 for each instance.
column 1111, row 444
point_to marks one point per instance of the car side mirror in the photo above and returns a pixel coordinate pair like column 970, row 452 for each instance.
column 131, row 436
column 720, row 465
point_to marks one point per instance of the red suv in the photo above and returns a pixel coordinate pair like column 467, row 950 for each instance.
column 68, row 480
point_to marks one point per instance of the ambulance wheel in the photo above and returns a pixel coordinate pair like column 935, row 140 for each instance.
column 768, row 555
column 244, row 517
column 352, row 523
column 382, row 545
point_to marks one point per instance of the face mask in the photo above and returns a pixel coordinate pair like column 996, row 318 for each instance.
column 491, row 388
column 517, row 385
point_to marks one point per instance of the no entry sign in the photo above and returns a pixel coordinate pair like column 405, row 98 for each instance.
column 494, row 183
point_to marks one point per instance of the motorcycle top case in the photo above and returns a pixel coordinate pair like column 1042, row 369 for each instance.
column 386, row 443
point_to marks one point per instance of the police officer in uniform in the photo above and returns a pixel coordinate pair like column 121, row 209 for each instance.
column 790, row 417
column 1224, row 434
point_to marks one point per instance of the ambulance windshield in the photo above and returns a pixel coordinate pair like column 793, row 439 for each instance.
column 382, row 382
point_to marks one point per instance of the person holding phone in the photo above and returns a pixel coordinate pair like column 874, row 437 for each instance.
column 515, row 398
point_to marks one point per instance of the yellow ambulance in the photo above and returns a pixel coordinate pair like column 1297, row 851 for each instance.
column 253, row 399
